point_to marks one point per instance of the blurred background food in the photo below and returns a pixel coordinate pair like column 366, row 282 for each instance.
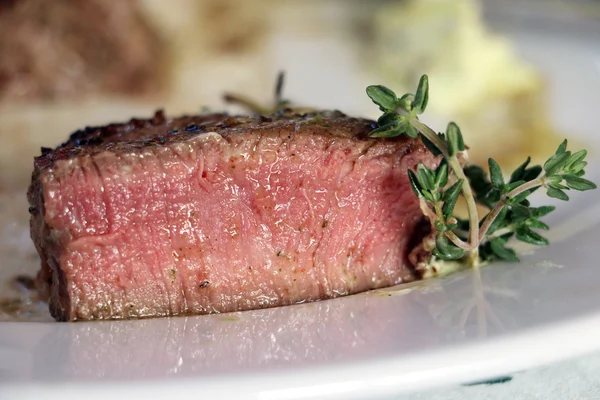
column 65, row 64
column 62, row 50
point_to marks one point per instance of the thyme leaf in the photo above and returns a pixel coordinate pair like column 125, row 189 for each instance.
column 510, row 214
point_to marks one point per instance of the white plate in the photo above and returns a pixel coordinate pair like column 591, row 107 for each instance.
column 464, row 328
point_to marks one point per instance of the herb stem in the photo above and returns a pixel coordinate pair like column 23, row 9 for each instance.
column 471, row 206
column 426, row 210
column 489, row 219
column 457, row 241
column 500, row 232
column 429, row 134
column 449, row 234
column 247, row 103
column 474, row 235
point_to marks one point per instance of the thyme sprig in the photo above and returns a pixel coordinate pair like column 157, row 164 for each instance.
column 279, row 102
column 509, row 211
column 279, row 105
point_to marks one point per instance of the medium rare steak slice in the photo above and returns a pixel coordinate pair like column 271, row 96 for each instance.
column 213, row 213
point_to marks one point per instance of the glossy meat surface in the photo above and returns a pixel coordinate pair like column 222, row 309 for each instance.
column 215, row 214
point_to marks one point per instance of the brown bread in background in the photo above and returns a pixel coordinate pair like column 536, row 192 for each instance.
column 62, row 49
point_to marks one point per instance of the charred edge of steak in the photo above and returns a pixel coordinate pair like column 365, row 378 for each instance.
column 60, row 302
column 419, row 248
column 138, row 134
column 50, row 282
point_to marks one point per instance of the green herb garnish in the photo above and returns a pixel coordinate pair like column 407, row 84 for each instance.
column 280, row 104
column 509, row 212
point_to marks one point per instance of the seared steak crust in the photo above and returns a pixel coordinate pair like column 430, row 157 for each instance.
column 214, row 213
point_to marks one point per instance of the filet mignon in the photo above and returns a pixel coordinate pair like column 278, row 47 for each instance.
column 212, row 213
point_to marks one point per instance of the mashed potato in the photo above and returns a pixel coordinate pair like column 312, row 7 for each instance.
column 477, row 79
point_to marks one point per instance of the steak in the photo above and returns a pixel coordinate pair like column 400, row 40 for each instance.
column 212, row 213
